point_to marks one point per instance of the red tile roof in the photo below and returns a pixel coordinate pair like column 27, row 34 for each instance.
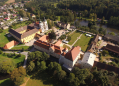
column 72, row 54
column 58, row 43
column 44, row 38
column 10, row 44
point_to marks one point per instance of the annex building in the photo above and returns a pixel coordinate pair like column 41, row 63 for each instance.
column 25, row 34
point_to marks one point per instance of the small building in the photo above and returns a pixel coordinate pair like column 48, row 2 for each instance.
column 25, row 34
column 14, row 15
column 112, row 49
column 63, row 25
column 88, row 60
column 1, row 23
column 7, row 18
column 88, row 35
column 5, row 27
column 111, row 38
column 10, row 45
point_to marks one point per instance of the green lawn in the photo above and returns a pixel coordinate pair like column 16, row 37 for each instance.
column 65, row 46
column 83, row 42
column 20, row 47
column 44, row 79
column 74, row 37
column 4, row 39
column 17, row 60
column 6, row 82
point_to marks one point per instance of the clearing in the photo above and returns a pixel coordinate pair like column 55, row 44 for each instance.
column 74, row 36
column 44, row 79
column 83, row 42
column 10, row 1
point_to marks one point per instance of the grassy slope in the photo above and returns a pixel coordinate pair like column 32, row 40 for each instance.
column 74, row 37
column 20, row 47
column 5, row 82
column 43, row 79
column 83, row 42
column 16, row 60
column 4, row 39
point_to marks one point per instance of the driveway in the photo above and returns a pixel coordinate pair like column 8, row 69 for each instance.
column 30, row 43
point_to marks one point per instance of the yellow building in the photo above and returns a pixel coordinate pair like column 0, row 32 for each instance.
column 24, row 34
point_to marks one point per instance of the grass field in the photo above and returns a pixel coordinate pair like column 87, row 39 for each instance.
column 5, row 82
column 20, row 47
column 10, row 1
column 65, row 46
column 44, row 79
column 4, row 39
column 74, row 37
column 15, row 59
column 83, row 42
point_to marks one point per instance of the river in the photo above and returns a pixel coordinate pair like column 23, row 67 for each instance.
column 108, row 28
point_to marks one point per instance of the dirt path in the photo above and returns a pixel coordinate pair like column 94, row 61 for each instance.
column 24, row 84
column 10, row 1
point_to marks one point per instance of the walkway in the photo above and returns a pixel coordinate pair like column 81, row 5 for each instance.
column 76, row 40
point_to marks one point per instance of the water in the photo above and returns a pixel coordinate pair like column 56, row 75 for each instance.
column 108, row 28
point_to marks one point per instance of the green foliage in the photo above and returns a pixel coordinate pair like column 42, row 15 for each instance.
column 17, row 75
column 105, row 52
column 31, row 66
column 6, row 66
column 22, row 13
column 45, row 56
column 112, row 33
column 1, row 30
column 62, row 37
column 68, row 38
column 42, row 66
column 1, row 51
column 52, row 35
column 61, row 75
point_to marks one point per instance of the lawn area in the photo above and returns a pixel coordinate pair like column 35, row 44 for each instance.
column 108, row 57
column 15, row 59
column 20, row 47
column 5, row 82
column 65, row 46
column 44, row 79
column 74, row 36
column 4, row 39
column 83, row 42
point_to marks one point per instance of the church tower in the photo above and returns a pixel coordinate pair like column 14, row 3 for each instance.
column 41, row 26
column 45, row 24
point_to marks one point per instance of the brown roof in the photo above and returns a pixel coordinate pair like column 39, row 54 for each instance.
column 29, row 33
column 95, row 39
column 21, row 29
column 42, row 44
column 10, row 44
column 72, row 54
column 44, row 38
column 58, row 42
column 112, row 48
column 115, row 38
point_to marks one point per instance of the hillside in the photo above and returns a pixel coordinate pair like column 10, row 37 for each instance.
column 10, row 1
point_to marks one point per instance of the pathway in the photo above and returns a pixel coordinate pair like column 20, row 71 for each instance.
column 76, row 40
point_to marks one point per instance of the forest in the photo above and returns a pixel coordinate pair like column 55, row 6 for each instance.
column 2, row 2
column 68, row 10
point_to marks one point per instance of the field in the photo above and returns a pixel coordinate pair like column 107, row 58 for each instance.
column 83, row 42
column 5, row 82
column 15, row 59
column 20, row 47
column 74, row 37
column 10, row 1
column 65, row 46
column 44, row 79
column 4, row 39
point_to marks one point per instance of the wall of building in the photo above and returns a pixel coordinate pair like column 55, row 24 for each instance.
column 41, row 49
column 16, row 37
column 78, row 56
column 22, row 32
column 86, row 65
column 29, row 38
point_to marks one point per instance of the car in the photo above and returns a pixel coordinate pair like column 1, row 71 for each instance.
column 19, row 52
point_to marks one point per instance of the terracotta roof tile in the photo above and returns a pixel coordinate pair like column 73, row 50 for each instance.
column 10, row 44
column 72, row 54
column 58, row 42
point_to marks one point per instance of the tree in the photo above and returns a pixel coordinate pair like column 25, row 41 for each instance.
column 62, row 37
column 31, row 66
column 1, row 51
column 22, row 13
column 71, row 79
column 45, row 56
column 105, row 52
column 61, row 75
column 112, row 33
column 6, row 66
column 50, row 66
column 52, row 35
column 68, row 38
column 38, row 55
column 22, row 49
column 31, row 56
column 43, row 65
column 17, row 75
